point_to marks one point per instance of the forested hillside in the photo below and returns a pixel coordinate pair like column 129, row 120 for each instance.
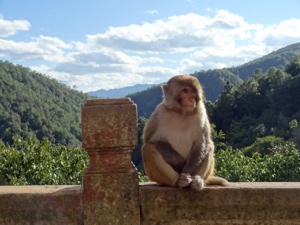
column 213, row 81
column 33, row 103
column 266, row 104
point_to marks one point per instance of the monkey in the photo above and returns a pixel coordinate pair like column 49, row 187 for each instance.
column 178, row 150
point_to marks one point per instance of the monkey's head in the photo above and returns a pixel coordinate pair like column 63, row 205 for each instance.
column 182, row 93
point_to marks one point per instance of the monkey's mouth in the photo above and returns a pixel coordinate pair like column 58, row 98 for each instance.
column 188, row 109
column 190, row 103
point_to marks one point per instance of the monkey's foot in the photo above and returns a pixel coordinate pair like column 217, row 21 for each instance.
column 197, row 183
column 184, row 180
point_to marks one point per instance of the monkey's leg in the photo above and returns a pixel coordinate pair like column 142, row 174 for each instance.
column 157, row 168
column 174, row 159
column 207, row 173
column 207, row 167
column 170, row 155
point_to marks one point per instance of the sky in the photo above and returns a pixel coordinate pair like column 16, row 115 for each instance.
column 105, row 44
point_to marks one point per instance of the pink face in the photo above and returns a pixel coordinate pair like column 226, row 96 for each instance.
column 187, row 98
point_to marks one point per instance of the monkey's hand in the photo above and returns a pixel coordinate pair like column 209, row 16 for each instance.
column 184, row 180
column 197, row 183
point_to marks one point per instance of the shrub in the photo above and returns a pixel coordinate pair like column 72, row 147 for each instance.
column 31, row 162
column 282, row 164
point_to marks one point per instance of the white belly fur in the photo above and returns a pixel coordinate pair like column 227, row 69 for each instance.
column 178, row 131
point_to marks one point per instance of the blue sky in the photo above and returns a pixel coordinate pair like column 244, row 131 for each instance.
column 104, row 44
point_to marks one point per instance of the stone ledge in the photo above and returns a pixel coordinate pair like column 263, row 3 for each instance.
column 41, row 189
column 239, row 203
column 41, row 205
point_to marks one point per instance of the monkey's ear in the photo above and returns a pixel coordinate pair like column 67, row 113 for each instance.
column 165, row 88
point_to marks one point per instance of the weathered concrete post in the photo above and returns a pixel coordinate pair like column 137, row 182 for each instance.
column 110, row 183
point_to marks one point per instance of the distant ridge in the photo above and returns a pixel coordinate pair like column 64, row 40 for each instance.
column 119, row 92
column 278, row 59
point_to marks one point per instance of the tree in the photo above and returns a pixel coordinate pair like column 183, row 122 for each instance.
column 293, row 67
column 225, row 107
column 249, row 102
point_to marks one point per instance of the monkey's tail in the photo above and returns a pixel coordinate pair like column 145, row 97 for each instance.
column 213, row 180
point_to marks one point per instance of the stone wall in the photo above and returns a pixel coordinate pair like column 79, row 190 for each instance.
column 111, row 193
column 240, row 203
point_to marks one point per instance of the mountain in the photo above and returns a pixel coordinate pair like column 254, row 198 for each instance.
column 277, row 59
column 213, row 81
column 31, row 103
column 119, row 92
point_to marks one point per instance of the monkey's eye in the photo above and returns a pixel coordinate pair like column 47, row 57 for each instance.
column 185, row 91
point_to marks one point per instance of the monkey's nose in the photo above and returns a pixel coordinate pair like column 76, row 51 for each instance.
column 191, row 99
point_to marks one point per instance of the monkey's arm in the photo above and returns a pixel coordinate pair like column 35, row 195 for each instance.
column 200, row 150
column 153, row 123
column 150, row 127
column 170, row 155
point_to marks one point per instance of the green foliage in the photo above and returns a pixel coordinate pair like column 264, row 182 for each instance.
column 31, row 103
column 282, row 165
column 263, row 145
column 234, row 166
column 34, row 162
column 219, row 139
column 136, row 155
column 142, row 177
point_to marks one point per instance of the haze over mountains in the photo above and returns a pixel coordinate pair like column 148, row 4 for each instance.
column 216, row 78
column 119, row 92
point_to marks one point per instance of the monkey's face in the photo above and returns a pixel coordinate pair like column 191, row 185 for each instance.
column 187, row 98
column 182, row 93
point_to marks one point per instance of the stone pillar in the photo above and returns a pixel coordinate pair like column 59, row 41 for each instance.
column 110, row 183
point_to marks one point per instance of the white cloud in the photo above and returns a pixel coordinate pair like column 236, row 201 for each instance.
column 152, row 52
column 8, row 28
column 100, row 61
column 40, row 48
column 188, row 66
column 153, row 60
column 175, row 34
column 152, row 12
column 284, row 33
column 221, row 57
